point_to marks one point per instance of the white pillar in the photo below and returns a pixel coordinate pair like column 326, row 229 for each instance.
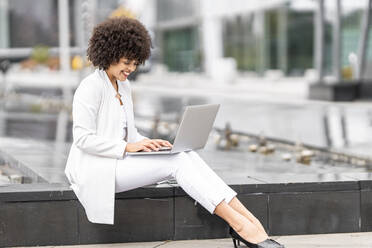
column 79, row 24
column 337, row 42
column 363, row 41
column 64, row 58
column 319, row 41
column 212, row 43
column 211, row 34
column 4, row 24
column 4, row 43
column 63, row 26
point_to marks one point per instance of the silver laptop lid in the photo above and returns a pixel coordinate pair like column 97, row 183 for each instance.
column 194, row 129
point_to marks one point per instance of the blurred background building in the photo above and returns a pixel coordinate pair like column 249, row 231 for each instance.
column 251, row 56
column 264, row 48
column 262, row 37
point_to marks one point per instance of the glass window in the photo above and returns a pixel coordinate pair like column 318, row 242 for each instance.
column 271, row 38
column 36, row 22
column 352, row 16
column 33, row 22
column 240, row 41
column 181, row 52
column 300, row 41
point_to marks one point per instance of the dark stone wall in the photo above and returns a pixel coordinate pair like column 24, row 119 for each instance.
column 51, row 214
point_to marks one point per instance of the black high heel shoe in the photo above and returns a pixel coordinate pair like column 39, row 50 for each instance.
column 268, row 243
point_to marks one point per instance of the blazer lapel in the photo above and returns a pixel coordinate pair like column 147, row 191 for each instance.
column 111, row 93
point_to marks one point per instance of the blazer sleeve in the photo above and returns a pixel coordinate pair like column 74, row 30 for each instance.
column 85, row 106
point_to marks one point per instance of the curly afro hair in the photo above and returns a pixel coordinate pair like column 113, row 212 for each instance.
column 116, row 38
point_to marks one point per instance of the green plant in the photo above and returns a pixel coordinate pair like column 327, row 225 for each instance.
column 40, row 53
column 36, row 108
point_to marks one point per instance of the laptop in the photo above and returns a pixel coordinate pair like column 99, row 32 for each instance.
column 193, row 131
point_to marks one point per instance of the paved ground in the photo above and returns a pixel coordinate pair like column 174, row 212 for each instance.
column 341, row 240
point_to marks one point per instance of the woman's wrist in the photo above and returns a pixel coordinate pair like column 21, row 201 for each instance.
column 126, row 148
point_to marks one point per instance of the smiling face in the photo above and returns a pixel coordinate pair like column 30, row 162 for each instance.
column 121, row 70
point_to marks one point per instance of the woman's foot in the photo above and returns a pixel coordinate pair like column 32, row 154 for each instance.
column 240, row 208
column 250, row 232
column 267, row 243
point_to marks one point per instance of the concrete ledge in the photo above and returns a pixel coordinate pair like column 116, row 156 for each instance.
column 365, row 90
column 57, row 191
column 49, row 214
column 344, row 91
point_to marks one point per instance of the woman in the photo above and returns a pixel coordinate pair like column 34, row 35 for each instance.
column 103, row 131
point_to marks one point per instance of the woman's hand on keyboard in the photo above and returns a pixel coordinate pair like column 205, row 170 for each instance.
column 147, row 145
column 163, row 143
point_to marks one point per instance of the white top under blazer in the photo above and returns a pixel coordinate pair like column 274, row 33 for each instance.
column 124, row 123
column 98, row 143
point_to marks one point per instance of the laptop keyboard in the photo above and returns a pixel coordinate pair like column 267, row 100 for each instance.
column 164, row 148
column 161, row 149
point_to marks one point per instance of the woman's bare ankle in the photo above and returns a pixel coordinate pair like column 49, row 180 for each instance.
column 238, row 226
column 251, row 233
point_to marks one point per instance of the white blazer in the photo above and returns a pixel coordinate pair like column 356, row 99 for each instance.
column 98, row 143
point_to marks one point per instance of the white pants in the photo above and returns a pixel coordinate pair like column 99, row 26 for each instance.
column 188, row 168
